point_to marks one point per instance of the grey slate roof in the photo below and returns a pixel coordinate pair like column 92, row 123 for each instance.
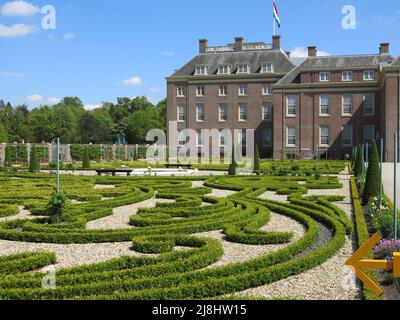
column 281, row 62
column 396, row 62
column 333, row 62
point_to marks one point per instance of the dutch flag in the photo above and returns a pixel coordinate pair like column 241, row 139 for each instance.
column 276, row 15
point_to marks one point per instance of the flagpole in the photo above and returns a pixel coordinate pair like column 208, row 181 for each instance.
column 273, row 19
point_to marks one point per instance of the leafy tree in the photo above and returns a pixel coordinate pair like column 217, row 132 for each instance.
column 256, row 160
column 373, row 179
column 95, row 127
column 3, row 134
column 359, row 166
column 86, row 159
column 34, row 165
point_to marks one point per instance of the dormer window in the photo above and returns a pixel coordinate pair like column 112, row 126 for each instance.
column 369, row 75
column 347, row 76
column 267, row 68
column 201, row 70
column 224, row 69
column 243, row 68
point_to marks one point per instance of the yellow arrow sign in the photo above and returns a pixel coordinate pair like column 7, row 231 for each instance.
column 356, row 262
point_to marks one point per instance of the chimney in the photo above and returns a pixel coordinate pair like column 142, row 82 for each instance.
column 384, row 48
column 203, row 44
column 276, row 42
column 312, row 51
column 239, row 43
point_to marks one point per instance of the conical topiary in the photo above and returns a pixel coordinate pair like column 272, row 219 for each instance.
column 233, row 166
column 257, row 165
column 135, row 155
column 373, row 180
column 359, row 166
column 86, row 159
column 34, row 165
column 8, row 159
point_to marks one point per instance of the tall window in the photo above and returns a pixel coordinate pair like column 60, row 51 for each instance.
column 324, row 105
column 223, row 112
column 201, row 70
column 224, row 69
column 243, row 90
column 368, row 133
column 182, row 113
column 347, row 105
column 347, row 76
column 324, row 136
column 325, row 76
column 243, row 138
column 369, row 104
column 200, row 91
column 267, row 116
column 182, row 138
column 267, row 68
column 243, row 68
column 242, row 112
column 267, row 89
column 291, row 136
column 291, row 106
column 347, row 136
column 223, row 90
column 200, row 113
column 369, row 75
column 181, row 91
column 267, row 137
column 222, row 138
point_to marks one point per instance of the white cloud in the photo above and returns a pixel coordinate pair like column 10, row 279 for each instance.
column 16, row 30
column 69, row 36
column 52, row 101
column 168, row 53
column 19, row 8
column 133, row 82
column 154, row 90
column 301, row 52
column 7, row 74
column 34, row 98
column 92, row 106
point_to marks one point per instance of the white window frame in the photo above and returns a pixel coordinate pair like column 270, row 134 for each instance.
column 373, row 132
column 243, row 69
column 179, row 113
column 267, row 89
column 325, row 76
column 323, row 114
column 345, row 114
column 201, row 70
column 181, row 92
column 200, row 91
column 268, row 106
column 243, row 105
column 199, row 138
column 181, row 142
column 321, row 144
column 372, row 104
column 267, row 68
column 225, row 68
column 267, row 137
column 287, row 107
column 343, row 136
column 198, row 107
column 367, row 75
column 289, row 145
column 243, row 90
column 223, row 90
column 222, row 135
column 220, row 108
column 346, row 74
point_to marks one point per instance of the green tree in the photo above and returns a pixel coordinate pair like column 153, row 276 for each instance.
column 373, row 179
column 57, row 207
column 95, row 127
column 233, row 167
column 34, row 165
column 135, row 155
column 86, row 159
column 256, row 160
column 3, row 133
column 359, row 166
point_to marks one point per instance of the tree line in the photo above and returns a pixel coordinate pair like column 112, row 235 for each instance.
column 69, row 121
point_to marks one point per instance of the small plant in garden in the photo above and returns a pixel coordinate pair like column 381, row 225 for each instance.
column 57, row 207
column 256, row 163
column 381, row 217
column 359, row 165
column 373, row 179
column 86, row 159
column 34, row 165
column 386, row 248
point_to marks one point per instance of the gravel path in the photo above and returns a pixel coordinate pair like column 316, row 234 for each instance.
column 271, row 195
column 22, row 215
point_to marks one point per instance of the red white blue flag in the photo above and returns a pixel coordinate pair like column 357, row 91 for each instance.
column 276, row 15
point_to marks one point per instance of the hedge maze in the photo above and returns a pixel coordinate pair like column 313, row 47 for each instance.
column 164, row 272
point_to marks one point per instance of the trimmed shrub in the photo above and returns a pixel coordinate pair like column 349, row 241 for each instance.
column 57, row 207
column 233, row 167
column 359, row 166
column 34, row 165
column 256, row 160
column 86, row 159
column 373, row 180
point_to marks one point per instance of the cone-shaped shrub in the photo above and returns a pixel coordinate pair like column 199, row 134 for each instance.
column 359, row 166
column 135, row 155
column 373, row 180
column 34, row 165
column 233, row 166
column 86, row 159
column 256, row 160
column 8, row 160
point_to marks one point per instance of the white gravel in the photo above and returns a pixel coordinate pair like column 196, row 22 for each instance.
column 271, row 195
column 22, row 215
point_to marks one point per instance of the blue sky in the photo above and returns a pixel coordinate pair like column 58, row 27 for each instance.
column 104, row 49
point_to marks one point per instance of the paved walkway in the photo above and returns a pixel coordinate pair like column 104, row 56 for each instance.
column 388, row 181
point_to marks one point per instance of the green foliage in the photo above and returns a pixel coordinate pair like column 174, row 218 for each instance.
column 135, row 155
column 34, row 165
column 86, row 160
column 57, row 207
column 18, row 153
column 233, row 167
column 373, row 182
column 359, row 166
column 256, row 159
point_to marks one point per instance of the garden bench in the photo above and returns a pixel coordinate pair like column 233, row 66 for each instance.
column 177, row 166
column 114, row 171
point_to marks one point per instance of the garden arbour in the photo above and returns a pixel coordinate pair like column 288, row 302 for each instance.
column 172, row 274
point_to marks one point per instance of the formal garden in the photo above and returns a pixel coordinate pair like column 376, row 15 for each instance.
column 284, row 232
